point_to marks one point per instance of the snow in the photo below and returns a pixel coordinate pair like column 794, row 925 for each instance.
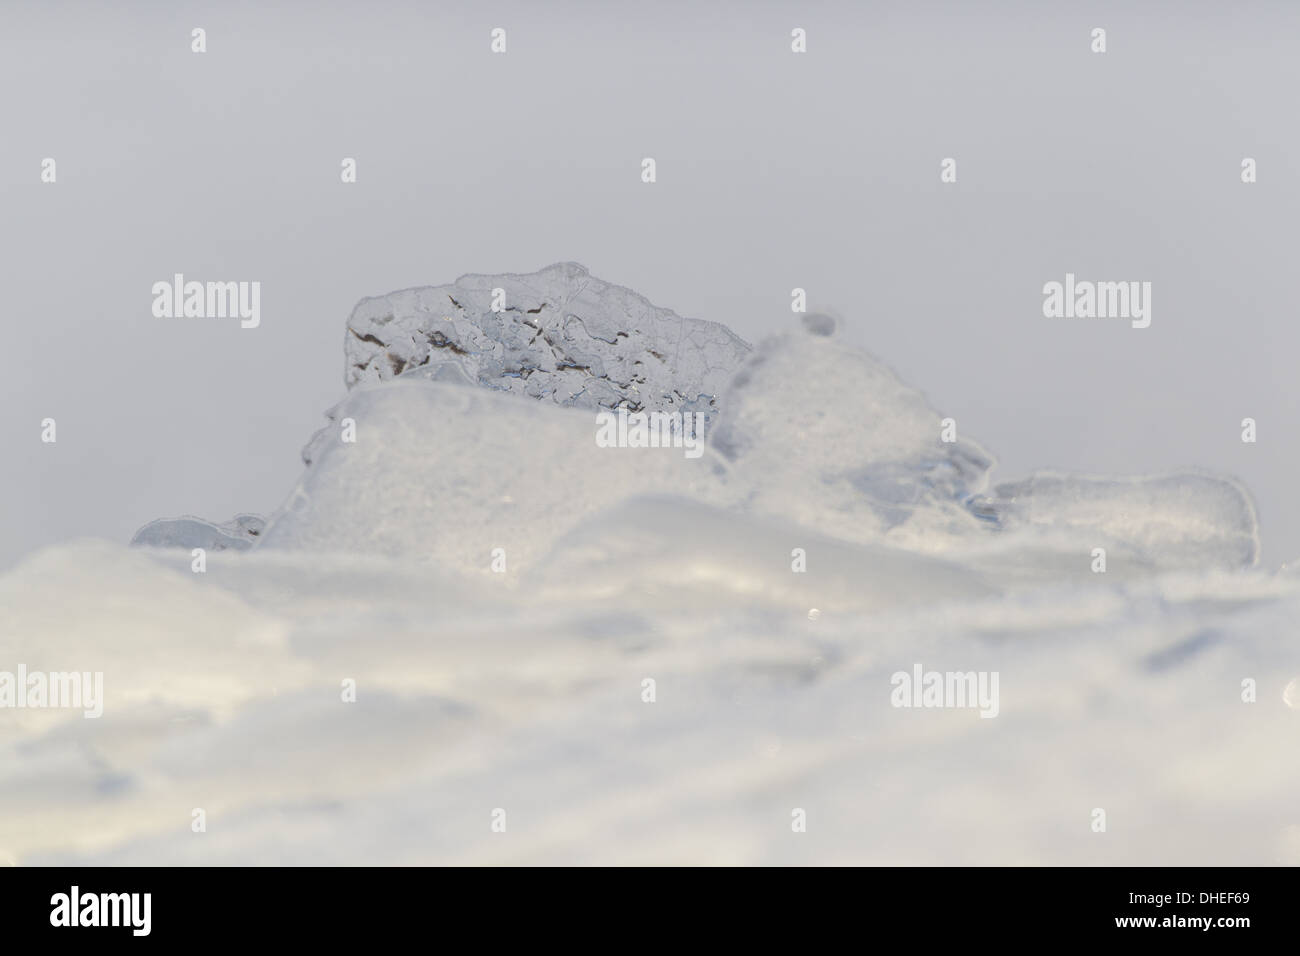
column 223, row 692
column 522, row 689
column 446, row 474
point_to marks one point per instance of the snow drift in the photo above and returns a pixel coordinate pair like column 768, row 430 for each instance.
column 647, row 658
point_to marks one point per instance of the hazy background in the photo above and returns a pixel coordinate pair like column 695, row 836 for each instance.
column 775, row 170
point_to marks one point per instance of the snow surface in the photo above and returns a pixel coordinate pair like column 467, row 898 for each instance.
column 477, row 693
column 522, row 690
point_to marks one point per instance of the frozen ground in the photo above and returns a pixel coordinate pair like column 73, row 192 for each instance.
column 523, row 690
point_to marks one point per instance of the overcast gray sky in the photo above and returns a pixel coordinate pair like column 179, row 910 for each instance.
column 775, row 170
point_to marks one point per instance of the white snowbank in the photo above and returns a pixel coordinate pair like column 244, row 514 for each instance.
column 223, row 691
column 447, row 474
column 771, row 589
column 813, row 433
